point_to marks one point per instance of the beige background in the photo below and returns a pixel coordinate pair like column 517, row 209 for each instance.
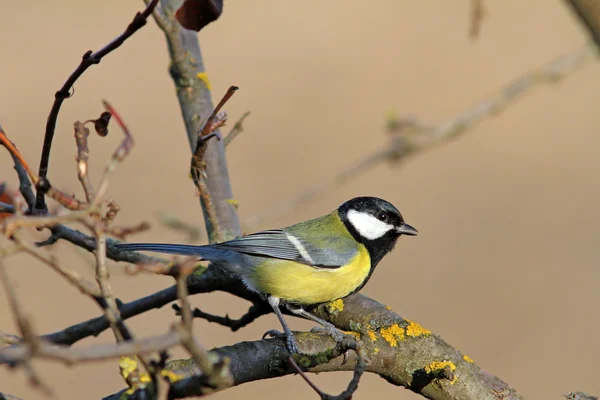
column 506, row 264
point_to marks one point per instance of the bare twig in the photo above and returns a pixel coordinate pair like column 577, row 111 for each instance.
column 102, row 278
column 25, row 329
column 236, row 130
column 89, row 58
column 86, row 287
column 5, row 396
column 477, row 15
column 579, row 396
column 588, row 13
column 193, row 91
column 198, row 168
column 122, row 232
column 172, row 222
column 70, row 356
column 65, row 200
column 7, row 208
column 255, row 311
column 81, row 140
column 24, row 182
column 7, row 338
column 415, row 137
column 118, row 156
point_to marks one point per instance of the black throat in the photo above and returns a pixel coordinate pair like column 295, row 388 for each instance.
column 377, row 248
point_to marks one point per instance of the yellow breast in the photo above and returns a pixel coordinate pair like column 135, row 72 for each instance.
column 303, row 284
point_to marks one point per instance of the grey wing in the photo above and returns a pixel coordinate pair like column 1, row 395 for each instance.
column 277, row 243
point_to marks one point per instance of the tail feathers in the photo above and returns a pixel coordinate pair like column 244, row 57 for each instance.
column 182, row 249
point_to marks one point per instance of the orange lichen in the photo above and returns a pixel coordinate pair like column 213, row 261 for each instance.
column 415, row 330
column 392, row 334
column 388, row 308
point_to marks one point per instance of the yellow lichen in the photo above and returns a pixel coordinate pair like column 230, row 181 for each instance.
column 171, row 376
column 127, row 366
column 388, row 308
column 203, row 76
column 372, row 335
column 234, row 203
column 376, row 350
column 131, row 374
column 468, row 359
column 415, row 330
column 439, row 365
column 335, row 306
column 355, row 334
column 392, row 334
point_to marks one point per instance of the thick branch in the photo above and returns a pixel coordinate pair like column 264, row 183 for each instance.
column 193, row 91
column 588, row 12
column 398, row 350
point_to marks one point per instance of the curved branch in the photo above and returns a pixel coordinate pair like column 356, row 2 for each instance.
column 398, row 350
column 89, row 58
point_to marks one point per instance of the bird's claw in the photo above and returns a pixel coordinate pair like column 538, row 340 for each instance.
column 336, row 334
column 290, row 342
column 330, row 330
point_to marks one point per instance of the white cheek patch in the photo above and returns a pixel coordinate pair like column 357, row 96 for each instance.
column 367, row 225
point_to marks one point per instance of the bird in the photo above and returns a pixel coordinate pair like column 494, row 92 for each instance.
column 308, row 263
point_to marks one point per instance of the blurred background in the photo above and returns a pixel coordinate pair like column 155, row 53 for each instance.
column 506, row 265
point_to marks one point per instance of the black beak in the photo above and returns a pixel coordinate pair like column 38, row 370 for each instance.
column 406, row 229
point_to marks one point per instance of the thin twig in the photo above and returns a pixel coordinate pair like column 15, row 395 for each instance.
column 198, row 168
column 102, row 278
column 415, row 137
column 172, row 222
column 24, row 182
column 86, row 287
column 118, row 156
column 588, row 13
column 255, row 311
column 236, row 130
column 65, row 200
column 477, row 15
column 81, row 140
column 26, row 330
column 8, row 338
column 7, row 208
column 88, row 59
column 77, row 355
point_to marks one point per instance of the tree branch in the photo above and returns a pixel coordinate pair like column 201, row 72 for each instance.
column 89, row 58
column 410, row 137
column 193, row 91
column 588, row 12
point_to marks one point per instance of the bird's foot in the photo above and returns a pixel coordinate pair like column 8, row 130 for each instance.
column 290, row 342
column 336, row 334
column 330, row 330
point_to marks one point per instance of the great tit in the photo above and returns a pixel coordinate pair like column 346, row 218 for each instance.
column 312, row 262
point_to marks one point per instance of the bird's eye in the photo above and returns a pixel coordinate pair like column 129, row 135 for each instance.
column 382, row 216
